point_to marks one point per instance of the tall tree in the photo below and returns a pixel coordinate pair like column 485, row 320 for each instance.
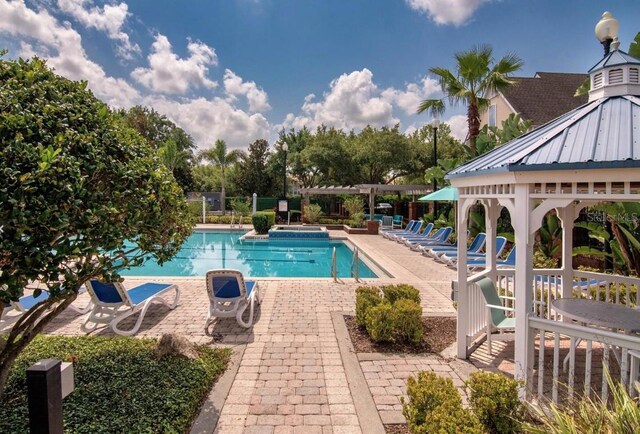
column 475, row 76
column 219, row 156
column 382, row 154
column 82, row 196
column 253, row 175
column 172, row 143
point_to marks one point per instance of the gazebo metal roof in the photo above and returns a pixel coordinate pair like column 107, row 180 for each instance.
column 601, row 134
column 615, row 58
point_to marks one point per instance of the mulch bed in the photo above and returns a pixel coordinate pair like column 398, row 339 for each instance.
column 439, row 334
column 396, row 428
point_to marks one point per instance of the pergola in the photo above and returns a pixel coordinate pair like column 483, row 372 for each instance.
column 587, row 156
column 371, row 189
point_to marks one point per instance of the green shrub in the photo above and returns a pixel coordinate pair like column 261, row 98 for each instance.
column 379, row 321
column 451, row 420
column 260, row 223
column 241, row 206
column 119, row 386
column 540, row 260
column 494, row 400
column 357, row 220
column 326, row 221
column 218, row 219
column 195, row 209
column 271, row 217
column 312, row 213
column 366, row 297
column 392, row 293
column 407, row 320
column 426, row 393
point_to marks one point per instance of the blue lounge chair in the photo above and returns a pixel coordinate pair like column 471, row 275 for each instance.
column 230, row 295
column 112, row 303
column 476, row 245
column 417, row 237
column 406, row 230
column 414, row 231
column 510, row 261
column 440, row 237
column 26, row 302
column 452, row 257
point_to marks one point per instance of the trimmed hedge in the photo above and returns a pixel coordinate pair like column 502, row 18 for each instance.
column 435, row 406
column 119, row 386
column 494, row 399
column 271, row 217
column 392, row 312
column 219, row 219
column 260, row 223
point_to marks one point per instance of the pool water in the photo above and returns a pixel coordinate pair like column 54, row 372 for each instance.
column 207, row 250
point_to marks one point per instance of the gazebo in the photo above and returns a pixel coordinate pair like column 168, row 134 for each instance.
column 587, row 156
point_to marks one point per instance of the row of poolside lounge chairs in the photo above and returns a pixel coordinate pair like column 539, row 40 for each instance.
column 435, row 244
column 230, row 295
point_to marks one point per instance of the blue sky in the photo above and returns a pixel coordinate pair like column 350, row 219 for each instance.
column 243, row 69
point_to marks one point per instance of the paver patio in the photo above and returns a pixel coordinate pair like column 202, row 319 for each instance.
column 291, row 376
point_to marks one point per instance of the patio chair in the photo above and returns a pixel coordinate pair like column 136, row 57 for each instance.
column 387, row 222
column 440, row 237
column 406, row 230
column 451, row 258
column 476, row 245
column 113, row 303
column 26, row 302
column 230, row 295
column 497, row 319
column 397, row 221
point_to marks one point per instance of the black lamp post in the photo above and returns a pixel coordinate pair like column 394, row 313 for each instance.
column 435, row 124
column 285, row 148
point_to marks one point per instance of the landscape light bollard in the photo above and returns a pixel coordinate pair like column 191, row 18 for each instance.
column 285, row 148
column 48, row 382
column 255, row 203
column 435, row 124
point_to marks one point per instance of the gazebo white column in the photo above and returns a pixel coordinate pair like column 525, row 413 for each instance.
column 567, row 216
column 523, row 281
column 491, row 214
column 462, row 291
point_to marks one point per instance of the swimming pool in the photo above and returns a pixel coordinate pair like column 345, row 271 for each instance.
column 206, row 250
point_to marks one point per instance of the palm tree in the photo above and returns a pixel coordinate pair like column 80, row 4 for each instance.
column 476, row 75
column 219, row 156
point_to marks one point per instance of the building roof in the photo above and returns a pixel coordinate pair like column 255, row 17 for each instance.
column 601, row 134
column 368, row 188
column 615, row 58
column 546, row 96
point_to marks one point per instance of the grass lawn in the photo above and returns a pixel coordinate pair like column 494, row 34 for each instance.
column 120, row 387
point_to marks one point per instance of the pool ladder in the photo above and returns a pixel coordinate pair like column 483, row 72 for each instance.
column 355, row 265
column 233, row 217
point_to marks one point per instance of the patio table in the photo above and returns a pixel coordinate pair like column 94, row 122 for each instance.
column 600, row 313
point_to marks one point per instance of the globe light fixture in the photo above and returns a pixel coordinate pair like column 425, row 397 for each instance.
column 607, row 31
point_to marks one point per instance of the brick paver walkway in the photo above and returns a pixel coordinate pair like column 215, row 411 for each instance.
column 291, row 377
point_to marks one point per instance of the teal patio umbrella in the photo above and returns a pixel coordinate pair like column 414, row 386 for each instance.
column 444, row 194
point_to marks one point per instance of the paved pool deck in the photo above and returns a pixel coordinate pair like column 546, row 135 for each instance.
column 295, row 371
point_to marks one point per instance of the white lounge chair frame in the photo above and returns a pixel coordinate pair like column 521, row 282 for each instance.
column 230, row 307
column 113, row 313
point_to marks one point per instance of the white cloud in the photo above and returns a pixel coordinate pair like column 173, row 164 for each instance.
column 110, row 19
column 459, row 128
column 61, row 45
column 456, row 12
column 414, row 93
column 256, row 97
column 169, row 74
column 209, row 120
column 353, row 101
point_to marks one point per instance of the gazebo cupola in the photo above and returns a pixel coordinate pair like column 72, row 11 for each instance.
column 617, row 73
